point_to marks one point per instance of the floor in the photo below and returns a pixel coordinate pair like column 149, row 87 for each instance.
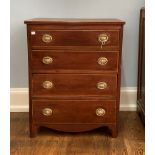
column 130, row 140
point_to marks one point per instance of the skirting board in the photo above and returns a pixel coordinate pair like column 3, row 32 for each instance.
column 19, row 99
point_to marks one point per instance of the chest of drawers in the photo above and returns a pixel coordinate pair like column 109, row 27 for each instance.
column 74, row 74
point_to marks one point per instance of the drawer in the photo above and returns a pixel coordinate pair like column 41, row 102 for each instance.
column 74, row 111
column 68, row 61
column 99, row 39
column 49, row 85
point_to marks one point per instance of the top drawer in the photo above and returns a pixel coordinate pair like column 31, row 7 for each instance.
column 75, row 39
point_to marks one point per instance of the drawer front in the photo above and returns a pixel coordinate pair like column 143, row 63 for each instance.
column 86, row 38
column 54, row 61
column 74, row 111
column 48, row 85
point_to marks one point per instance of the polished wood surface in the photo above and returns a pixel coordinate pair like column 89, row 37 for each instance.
column 76, row 21
column 74, row 84
column 72, row 49
column 141, row 67
column 130, row 140
column 75, row 38
column 74, row 112
column 85, row 61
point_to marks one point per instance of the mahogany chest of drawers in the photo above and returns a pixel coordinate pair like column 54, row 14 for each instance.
column 74, row 74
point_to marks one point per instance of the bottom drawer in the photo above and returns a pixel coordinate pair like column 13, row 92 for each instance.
column 77, row 111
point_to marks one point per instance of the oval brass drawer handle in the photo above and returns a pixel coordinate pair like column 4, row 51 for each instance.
column 102, row 85
column 46, row 38
column 47, row 112
column 100, row 112
column 47, row 84
column 103, row 38
column 47, row 60
column 102, row 61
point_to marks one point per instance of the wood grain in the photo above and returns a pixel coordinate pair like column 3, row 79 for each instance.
column 141, row 67
column 73, row 62
column 75, row 21
column 74, row 112
column 73, row 38
column 74, row 84
column 78, row 42
column 130, row 140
